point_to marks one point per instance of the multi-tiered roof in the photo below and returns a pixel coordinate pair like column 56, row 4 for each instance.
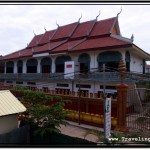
column 74, row 37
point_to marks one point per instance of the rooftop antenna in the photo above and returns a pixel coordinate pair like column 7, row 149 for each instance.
column 80, row 18
column 45, row 28
column 119, row 12
column 98, row 15
column 132, row 37
column 57, row 23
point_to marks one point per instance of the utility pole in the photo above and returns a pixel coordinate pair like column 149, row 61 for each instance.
column 79, row 104
column 104, row 103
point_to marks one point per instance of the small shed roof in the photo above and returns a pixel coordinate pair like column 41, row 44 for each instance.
column 9, row 104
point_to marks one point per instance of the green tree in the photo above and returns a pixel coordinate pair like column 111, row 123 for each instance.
column 45, row 111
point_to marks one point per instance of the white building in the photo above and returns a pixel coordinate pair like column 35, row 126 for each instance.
column 88, row 45
column 10, row 106
column 147, row 69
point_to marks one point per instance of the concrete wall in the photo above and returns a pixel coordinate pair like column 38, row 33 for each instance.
column 136, row 63
column 8, row 123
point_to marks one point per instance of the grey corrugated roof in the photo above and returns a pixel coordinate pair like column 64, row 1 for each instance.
column 9, row 104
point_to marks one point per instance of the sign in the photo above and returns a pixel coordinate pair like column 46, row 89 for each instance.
column 69, row 66
column 69, row 70
column 107, row 125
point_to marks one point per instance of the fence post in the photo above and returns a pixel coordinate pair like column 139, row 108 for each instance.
column 121, row 107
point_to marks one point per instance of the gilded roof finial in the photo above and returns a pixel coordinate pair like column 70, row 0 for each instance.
column 57, row 23
column 119, row 12
column 80, row 18
column 98, row 15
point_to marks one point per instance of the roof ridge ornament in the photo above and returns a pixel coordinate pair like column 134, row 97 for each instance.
column 132, row 37
column 98, row 15
column 80, row 18
column 34, row 33
column 57, row 24
column 119, row 12
column 45, row 28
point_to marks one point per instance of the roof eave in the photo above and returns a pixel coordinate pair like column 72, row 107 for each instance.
column 141, row 51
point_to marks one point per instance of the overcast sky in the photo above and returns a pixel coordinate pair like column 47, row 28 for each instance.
column 17, row 22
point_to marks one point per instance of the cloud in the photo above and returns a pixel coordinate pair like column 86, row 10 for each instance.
column 18, row 21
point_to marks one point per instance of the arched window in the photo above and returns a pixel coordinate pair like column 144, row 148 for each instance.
column 110, row 59
column 32, row 66
column 127, row 61
column 10, row 67
column 60, row 63
column 46, row 65
column 84, row 60
column 19, row 66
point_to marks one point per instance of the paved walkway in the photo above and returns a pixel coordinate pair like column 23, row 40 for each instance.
column 79, row 131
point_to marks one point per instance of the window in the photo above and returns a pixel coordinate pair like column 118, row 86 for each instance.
column 18, row 82
column 60, row 63
column 19, row 66
column 110, row 59
column 46, row 65
column 108, row 87
column 84, row 60
column 83, row 86
column 10, row 67
column 32, row 66
column 62, row 85
column 9, row 81
column 31, row 83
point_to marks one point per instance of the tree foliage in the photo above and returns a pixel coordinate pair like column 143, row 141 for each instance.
column 45, row 112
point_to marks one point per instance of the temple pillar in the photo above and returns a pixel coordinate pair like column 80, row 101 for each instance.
column 121, row 107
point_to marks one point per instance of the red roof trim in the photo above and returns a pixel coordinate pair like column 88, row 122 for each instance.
column 99, row 42
column 64, row 32
column 67, row 46
column 46, row 37
column 102, row 27
column 48, row 47
column 81, row 30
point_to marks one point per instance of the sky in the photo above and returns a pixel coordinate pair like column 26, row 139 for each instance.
column 18, row 23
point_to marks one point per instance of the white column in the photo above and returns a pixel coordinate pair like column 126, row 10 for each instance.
column 15, row 67
column 39, row 65
column 95, row 54
column 53, row 65
column 92, row 62
column 24, row 66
